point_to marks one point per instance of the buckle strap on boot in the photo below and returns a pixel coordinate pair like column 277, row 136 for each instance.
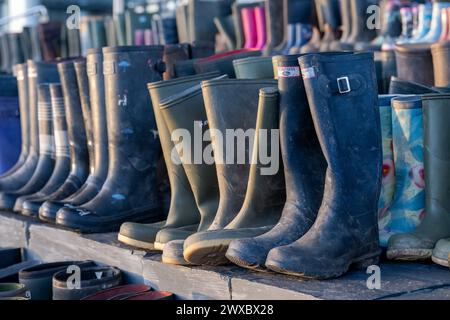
column 345, row 84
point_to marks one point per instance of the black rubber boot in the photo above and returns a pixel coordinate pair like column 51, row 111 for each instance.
column 13, row 291
column 346, row 26
column 15, row 49
column 95, row 181
column 79, row 155
column 361, row 34
column 38, row 72
column 388, row 69
column 46, row 161
column 29, row 205
column 201, row 18
column 172, row 54
column 276, row 24
column 441, row 64
column 345, row 232
column 304, row 171
column 332, row 20
column 183, row 211
column 22, row 85
column 419, row 56
column 182, row 19
column 90, row 282
column 226, row 111
column 186, row 111
column 38, row 279
column 399, row 86
column 265, row 196
column 5, row 53
column 225, row 26
column 297, row 12
column 129, row 192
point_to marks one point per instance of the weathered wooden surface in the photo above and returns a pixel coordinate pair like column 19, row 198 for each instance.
column 50, row 243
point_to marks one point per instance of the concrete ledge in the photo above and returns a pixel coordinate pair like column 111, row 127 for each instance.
column 49, row 243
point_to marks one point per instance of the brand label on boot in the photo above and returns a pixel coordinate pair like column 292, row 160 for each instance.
column 288, row 72
column 308, row 73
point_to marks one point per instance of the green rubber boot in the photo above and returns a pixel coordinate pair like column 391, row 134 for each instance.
column 419, row 244
column 183, row 210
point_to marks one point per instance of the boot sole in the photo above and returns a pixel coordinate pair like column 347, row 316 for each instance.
column 441, row 262
column 359, row 263
column 159, row 246
column 244, row 264
column 205, row 253
column 135, row 243
column 409, row 254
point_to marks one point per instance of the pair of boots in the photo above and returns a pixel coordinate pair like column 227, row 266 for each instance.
column 430, row 238
column 356, row 34
column 254, row 25
column 433, row 23
column 329, row 221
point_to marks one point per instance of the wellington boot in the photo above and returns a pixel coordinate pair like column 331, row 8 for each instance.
column 133, row 22
column 225, row 26
column 361, row 34
column 172, row 54
column 388, row 69
column 97, row 177
column 182, row 19
column 399, row 86
column 223, row 63
column 419, row 56
column 332, row 22
column 22, row 84
column 13, row 291
column 182, row 198
column 90, row 282
column 130, row 190
column 346, row 26
column 46, row 161
column 388, row 183
column 419, row 244
column 345, row 232
column 30, row 204
column 304, row 170
column 436, row 22
column 441, row 63
column 254, row 68
column 10, row 135
column 276, row 25
column 15, row 49
column 408, row 206
column 5, row 54
column 50, row 39
column 77, row 138
column 222, row 109
column 265, row 196
column 313, row 44
column 38, row 72
column 201, row 18
column 186, row 112
column 441, row 253
column 38, row 279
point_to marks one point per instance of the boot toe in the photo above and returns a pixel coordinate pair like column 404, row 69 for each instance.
column 408, row 246
column 247, row 253
column 441, row 253
column 31, row 208
column 7, row 201
column 48, row 211
column 18, row 205
column 170, row 234
column 173, row 253
column 139, row 235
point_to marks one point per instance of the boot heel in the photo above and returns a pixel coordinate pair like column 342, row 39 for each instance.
column 365, row 262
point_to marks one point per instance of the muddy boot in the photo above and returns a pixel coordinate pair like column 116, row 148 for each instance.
column 186, row 112
column 32, row 203
column 265, row 195
column 183, row 210
column 302, row 156
column 22, row 84
column 129, row 192
column 419, row 244
column 345, row 232
column 233, row 177
column 254, row 68
column 95, row 181
column 38, row 72
column 46, row 161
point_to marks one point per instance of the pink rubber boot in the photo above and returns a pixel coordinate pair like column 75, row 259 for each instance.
column 249, row 24
column 261, row 33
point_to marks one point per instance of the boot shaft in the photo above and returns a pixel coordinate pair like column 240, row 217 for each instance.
column 441, row 64
column 22, row 84
column 419, row 56
column 59, row 121
column 45, row 118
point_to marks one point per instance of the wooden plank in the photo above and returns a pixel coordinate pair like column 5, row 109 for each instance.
column 13, row 230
